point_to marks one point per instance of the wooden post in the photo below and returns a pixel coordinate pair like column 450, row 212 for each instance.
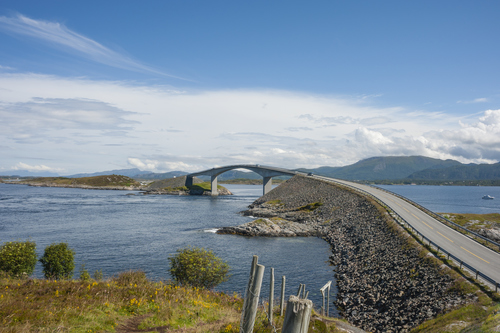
column 326, row 288
column 255, row 260
column 297, row 316
column 300, row 290
column 250, row 312
column 271, row 297
column 282, row 300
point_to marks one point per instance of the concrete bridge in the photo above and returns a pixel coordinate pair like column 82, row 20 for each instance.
column 266, row 172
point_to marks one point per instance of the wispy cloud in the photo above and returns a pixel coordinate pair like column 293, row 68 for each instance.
column 57, row 35
column 6, row 68
column 47, row 117
column 41, row 167
column 477, row 100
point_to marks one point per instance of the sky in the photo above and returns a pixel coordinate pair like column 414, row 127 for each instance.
column 91, row 86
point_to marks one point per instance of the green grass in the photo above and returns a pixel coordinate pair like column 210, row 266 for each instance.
column 474, row 221
column 310, row 207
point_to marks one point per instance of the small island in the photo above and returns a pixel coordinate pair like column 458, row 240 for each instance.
column 171, row 186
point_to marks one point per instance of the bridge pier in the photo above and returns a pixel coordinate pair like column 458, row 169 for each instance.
column 213, row 185
column 189, row 181
column 267, row 184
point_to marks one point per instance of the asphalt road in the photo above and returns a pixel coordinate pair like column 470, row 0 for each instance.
column 469, row 251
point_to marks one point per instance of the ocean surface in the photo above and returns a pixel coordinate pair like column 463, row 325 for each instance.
column 451, row 199
column 115, row 232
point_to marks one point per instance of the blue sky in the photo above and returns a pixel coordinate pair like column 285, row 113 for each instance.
column 187, row 85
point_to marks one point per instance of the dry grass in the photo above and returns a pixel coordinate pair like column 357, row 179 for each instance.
column 90, row 306
column 124, row 304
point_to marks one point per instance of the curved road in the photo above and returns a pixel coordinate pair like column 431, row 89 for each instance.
column 469, row 251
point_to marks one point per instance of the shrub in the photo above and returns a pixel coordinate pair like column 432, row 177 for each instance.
column 18, row 258
column 84, row 273
column 98, row 276
column 198, row 267
column 58, row 261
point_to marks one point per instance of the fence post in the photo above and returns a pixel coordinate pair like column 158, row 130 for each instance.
column 326, row 288
column 271, row 297
column 282, row 300
column 300, row 290
column 297, row 316
column 255, row 260
column 252, row 297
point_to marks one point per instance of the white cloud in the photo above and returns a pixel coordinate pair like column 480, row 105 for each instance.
column 477, row 100
column 57, row 35
column 44, row 119
column 89, row 126
column 33, row 168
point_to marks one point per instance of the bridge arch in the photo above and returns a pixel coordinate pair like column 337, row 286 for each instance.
column 267, row 173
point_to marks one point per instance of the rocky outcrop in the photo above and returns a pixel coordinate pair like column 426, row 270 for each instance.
column 492, row 233
column 384, row 283
column 177, row 186
column 271, row 227
column 170, row 191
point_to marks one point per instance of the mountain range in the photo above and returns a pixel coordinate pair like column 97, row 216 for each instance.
column 370, row 169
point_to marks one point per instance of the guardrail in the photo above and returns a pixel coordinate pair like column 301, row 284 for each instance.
column 440, row 218
column 402, row 221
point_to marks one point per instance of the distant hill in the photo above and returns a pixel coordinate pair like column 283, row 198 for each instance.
column 156, row 176
column 122, row 172
column 388, row 167
column 26, row 173
column 460, row 172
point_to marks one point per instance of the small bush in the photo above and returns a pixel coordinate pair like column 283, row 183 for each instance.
column 198, row 267
column 18, row 258
column 84, row 273
column 58, row 261
column 98, row 276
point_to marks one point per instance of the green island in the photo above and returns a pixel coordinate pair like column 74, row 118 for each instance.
column 107, row 181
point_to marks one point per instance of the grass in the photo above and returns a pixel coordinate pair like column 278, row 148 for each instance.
column 474, row 221
column 275, row 203
column 310, row 206
column 91, row 306
column 127, row 302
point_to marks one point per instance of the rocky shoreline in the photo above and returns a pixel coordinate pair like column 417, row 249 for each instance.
column 384, row 282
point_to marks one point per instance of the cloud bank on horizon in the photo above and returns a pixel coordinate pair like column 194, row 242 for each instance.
column 70, row 124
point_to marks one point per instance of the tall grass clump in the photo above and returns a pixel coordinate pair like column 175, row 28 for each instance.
column 198, row 267
column 18, row 258
column 58, row 261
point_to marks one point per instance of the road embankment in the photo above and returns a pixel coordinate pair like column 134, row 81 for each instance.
column 384, row 281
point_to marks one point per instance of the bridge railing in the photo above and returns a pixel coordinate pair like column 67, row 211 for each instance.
column 403, row 221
